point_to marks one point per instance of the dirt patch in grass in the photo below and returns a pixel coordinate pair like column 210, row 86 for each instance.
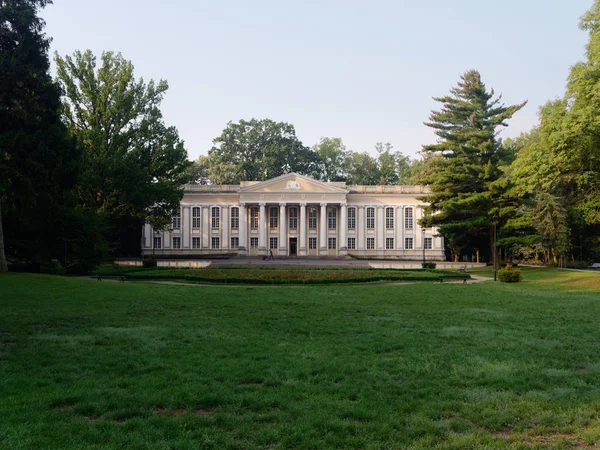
column 565, row 440
column 203, row 412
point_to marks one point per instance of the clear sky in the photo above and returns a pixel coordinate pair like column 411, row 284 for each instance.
column 364, row 71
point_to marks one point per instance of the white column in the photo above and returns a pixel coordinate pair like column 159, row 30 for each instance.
column 399, row 228
column 380, row 228
column 282, row 230
column 417, row 212
column 343, row 229
column 302, row 230
column 323, row 230
column 361, row 228
column 225, row 227
column 242, row 229
column 185, row 227
column 205, row 228
column 148, row 241
column 262, row 230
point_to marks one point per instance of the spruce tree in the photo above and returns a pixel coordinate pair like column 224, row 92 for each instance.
column 468, row 154
column 37, row 160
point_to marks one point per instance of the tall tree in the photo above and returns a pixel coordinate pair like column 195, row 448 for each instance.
column 387, row 162
column 134, row 164
column 38, row 162
column 331, row 156
column 362, row 169
column 469, row 155
column 257, row 150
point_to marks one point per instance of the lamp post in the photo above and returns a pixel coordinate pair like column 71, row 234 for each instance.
column 495, row 221
column 423, row 243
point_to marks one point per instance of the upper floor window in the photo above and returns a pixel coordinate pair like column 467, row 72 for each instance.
column 235, row 217
column 351, row 218
column 293, row 218
column 273, row 217
column 177, row 220
column 312, row 218
column 254, row 217
column 195, row 217
column 216, row 213
column 332, row 219
column 408, row 218
column 370, row 218
column 157, row 242
column 389, row 218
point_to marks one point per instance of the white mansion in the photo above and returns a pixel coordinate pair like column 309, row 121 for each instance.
column 294, row 215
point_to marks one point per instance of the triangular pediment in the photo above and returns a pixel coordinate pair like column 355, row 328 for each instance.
column 293, row 182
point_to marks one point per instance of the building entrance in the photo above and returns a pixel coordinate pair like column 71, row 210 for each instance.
column 293, row 245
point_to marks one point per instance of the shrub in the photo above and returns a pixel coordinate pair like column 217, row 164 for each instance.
column 149, row 263
column 510, row 275
column 429, row 265
column 578, row 265
column 52, row 267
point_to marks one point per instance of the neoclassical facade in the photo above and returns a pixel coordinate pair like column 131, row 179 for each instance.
column 294, row 215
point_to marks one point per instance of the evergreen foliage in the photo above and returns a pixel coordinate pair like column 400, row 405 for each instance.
column 468, row 155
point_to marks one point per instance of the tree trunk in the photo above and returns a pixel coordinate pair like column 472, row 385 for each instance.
column 3, row 264
column 477, row 255
column 554, row 256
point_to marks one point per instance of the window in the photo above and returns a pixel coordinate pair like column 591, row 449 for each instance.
column 389, row 218
column 428, row 243
column 235, row 242
column 312, row 243
column 293, row 218
column 273, row 243
column 389, row 243
column 408, row 218
column 157, row 242
column 253, row 242
column 176, row 242
column 195, row 217
column 235, row 218
column 332, row 219
column 195, row 242
column 254, row 218
column 351, row 218
column 351, row 243
column 370, row 218
column 331, row 243
column 177, row 220
column 215, row 242
column 312, row 219
column 370, row 243
column 408, row 243
column 273, row 217
column 216, row 212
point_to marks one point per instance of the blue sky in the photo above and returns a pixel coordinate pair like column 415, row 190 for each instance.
column 362, row 71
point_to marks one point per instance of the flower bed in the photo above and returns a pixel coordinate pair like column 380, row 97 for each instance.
column 287, row 276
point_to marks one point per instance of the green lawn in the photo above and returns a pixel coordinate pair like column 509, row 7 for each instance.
column 85, row 364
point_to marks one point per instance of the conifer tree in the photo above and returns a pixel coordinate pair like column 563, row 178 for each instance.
column 468, row 154
column 37, row 159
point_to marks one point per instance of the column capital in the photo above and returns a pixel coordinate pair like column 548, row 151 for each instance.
column 303, row 205
column 282, row 204
column 343, row 204
column 262, row 204
column 324, row 204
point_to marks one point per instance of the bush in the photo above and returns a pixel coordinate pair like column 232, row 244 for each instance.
column 578, row 265
column 510, row 275
column 429, row 265
column 149, row 263
column 52, row 267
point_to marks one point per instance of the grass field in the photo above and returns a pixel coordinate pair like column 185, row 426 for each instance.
column 85, row 364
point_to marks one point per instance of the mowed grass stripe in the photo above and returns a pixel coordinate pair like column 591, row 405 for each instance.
column 106, row 365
